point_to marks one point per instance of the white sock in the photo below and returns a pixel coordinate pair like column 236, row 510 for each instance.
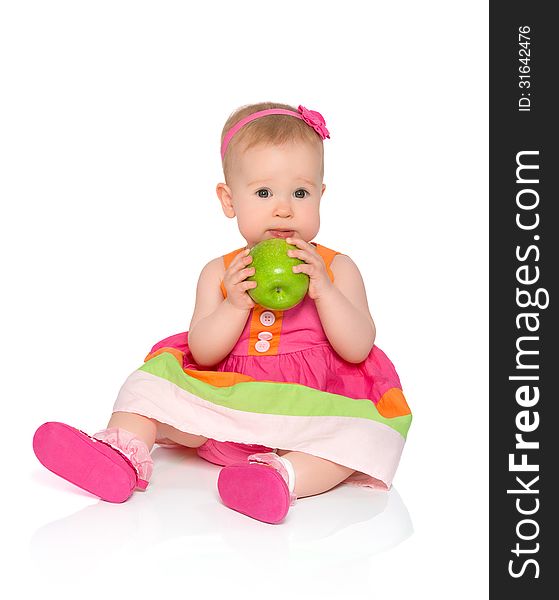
column 290, row 471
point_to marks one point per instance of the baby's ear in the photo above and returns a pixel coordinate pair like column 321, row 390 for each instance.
column 226, row 198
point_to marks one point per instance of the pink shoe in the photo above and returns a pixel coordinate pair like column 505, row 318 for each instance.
column 91, row 464
column 258, row 489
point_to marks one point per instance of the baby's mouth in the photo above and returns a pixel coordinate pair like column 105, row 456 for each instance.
column 279, row 233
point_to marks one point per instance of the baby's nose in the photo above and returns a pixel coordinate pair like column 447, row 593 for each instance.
column 283, row 208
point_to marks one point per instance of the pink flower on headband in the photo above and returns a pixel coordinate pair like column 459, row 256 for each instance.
column 315, row 120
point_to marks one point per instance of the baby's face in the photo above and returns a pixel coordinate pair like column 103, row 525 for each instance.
column 275, row 191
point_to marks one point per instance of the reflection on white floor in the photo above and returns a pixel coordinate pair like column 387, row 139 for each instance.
column 181, row 519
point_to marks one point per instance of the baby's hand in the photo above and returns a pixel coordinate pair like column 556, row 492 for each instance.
column 235, row 284
column 314, row 267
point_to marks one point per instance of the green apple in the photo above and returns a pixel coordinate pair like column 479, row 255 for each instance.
column 278, row 287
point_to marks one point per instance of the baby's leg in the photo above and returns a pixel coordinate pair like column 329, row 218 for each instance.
column 180, row 437
column 148, row 429
column 314, row 475
column 141, row 426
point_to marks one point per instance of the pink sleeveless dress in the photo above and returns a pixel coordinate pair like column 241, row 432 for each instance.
column 291, row 346
column 282, row 386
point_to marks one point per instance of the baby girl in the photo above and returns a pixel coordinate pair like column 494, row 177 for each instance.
column 290, row 403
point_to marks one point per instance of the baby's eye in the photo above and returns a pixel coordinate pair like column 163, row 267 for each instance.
column 301, row 193
column 263, row 193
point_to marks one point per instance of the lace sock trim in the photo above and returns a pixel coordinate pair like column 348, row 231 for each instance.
column 132, row 448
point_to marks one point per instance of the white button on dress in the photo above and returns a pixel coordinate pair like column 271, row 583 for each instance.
column 265, row 335
column 262, row 346
column 267, row 318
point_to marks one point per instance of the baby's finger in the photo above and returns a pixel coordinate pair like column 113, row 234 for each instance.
column 294, row 241
column 247, row 285
column 240, row 256
column 295, row 253
column 243, row 274
column 303, row 268
column 239, row 262
column 302, row 246
column 302, row 255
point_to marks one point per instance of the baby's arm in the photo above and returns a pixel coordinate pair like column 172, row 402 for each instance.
column 344, row 312
column 217, row 323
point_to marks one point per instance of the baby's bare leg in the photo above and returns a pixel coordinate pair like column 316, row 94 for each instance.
column 314, row 475
column 180, row 437
column 147, row 429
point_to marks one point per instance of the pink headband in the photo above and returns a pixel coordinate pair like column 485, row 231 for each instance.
column 311, row 117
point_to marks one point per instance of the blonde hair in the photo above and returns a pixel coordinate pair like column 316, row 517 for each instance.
column 271, row 129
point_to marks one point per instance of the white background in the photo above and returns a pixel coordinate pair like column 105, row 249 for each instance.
column 111, row 114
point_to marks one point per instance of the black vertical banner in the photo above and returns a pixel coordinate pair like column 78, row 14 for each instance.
column 524, row 338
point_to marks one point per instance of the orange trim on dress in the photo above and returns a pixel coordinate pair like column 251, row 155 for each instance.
column 174, row 351
column 219, row 378
column 258, row 327
column 393, row 404
column 227, row 259
column 215, row 378
column 327, row 255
